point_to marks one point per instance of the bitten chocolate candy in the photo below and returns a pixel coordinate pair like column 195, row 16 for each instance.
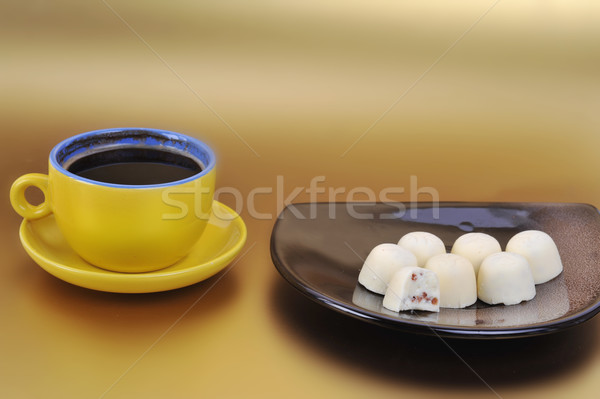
column 413, row 288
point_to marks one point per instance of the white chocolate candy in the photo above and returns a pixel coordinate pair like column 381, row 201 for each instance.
column 424, row 245
column 540, row 251
column 413, row 288
column 381, row 264
column 475, row 247
column 505, row 278
column 458, row 285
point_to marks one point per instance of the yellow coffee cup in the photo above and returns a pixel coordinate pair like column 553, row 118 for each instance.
column 144, row 208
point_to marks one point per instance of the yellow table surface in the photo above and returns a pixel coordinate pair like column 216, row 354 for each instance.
column 477, row 100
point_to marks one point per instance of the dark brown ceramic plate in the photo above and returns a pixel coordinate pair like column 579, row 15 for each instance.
column 319, row 249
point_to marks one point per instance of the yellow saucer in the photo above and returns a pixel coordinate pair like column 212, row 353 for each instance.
column 222, row 240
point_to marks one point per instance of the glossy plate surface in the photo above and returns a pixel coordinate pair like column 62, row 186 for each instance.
column 221, row 241
column 320, row 248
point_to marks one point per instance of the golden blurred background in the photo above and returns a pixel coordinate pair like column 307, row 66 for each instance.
column 479, row 100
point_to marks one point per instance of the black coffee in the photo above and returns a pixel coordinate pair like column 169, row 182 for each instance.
column 135, row 166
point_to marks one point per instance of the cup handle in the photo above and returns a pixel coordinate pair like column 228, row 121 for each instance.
column 20, row 203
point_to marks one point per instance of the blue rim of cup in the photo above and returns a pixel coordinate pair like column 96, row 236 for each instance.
column 133, row 136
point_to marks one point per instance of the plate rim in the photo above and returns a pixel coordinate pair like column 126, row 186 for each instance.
column 448, row 331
